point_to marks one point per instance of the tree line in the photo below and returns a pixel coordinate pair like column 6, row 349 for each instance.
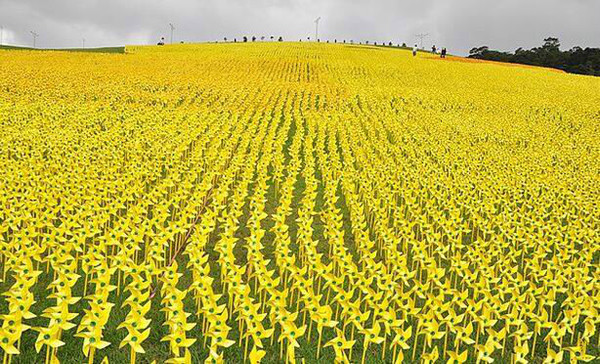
column 575, row 60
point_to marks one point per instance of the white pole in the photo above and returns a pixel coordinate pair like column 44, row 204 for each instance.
column 421, row 36
column 83, row 41
column 34, row 35
column 317, row 29
column 1, row 34
column 172, row 28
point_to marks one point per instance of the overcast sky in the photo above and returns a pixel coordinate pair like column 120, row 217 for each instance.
column 458, row 25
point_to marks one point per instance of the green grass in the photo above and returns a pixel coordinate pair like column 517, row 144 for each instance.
column 84, row 50
column 15, row 48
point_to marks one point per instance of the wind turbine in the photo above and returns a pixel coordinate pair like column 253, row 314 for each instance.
column 34, row 35
column 422, row 36
column 83, row 42
column 317, row 29
column 1, row 34
column 172, row 29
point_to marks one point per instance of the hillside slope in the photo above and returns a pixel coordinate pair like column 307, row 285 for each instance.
column 230, row 201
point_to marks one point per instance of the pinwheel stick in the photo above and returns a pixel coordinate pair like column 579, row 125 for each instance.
column 364, row 355
column 351, row 339
column 91, row 357
column 319, row 344
column 281, row 350
column 415, row 345
column 246, row 348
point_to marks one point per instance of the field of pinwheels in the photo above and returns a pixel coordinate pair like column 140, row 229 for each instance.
column 296, row 203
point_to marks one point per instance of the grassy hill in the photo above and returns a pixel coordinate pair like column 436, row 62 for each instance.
column 88, row 50
column 296, row 202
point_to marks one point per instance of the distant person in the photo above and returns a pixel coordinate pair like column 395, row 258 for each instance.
column 443, row 53
column 161, row 41
column 415, row 49
column 433, row 49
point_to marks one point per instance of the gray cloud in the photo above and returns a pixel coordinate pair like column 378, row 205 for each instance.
column 456, row 24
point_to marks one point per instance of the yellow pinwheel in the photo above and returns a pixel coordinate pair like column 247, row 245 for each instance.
column 554, row 357
column 7, row 341
column 371, row 336
column 256, row 355
column 134, row 339
column 458, row 358
column 340, row 345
